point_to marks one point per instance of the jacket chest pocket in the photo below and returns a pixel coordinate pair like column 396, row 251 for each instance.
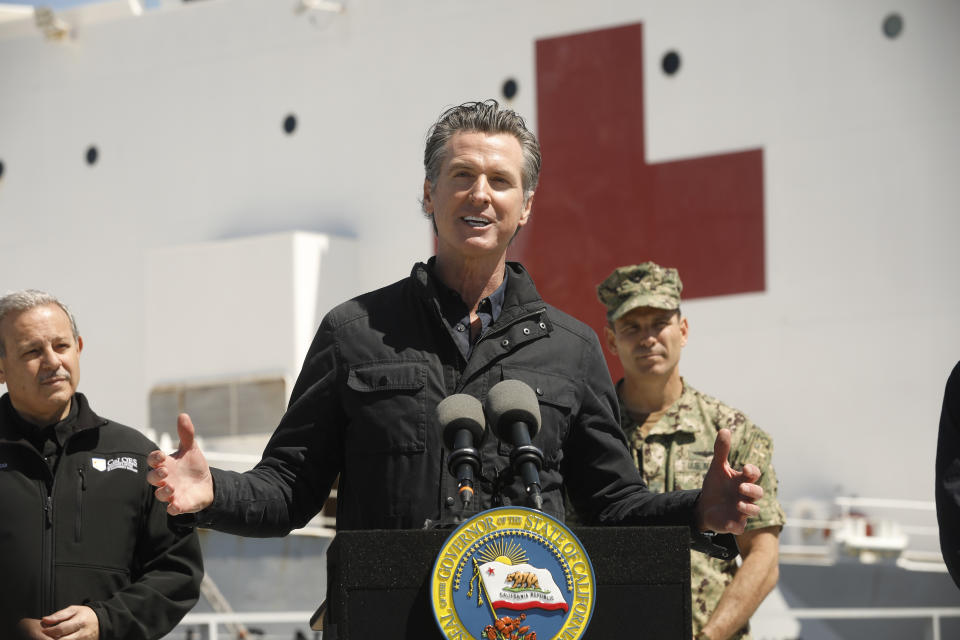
column 556, row 397
column 386, row 403
column 102, row 501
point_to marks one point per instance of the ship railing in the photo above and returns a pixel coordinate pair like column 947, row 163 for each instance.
column 934, row 614
column 835, row 524
column 865, row 527
column 212, row 621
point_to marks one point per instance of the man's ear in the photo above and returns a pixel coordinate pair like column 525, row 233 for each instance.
column 427, row 200
column 610, row 339
column 79, row 344
column 684, row 331
column 527, row 209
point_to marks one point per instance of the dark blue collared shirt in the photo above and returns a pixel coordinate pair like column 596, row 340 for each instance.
column 456, row 314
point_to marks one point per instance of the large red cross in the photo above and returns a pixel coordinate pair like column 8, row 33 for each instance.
column 601, row 205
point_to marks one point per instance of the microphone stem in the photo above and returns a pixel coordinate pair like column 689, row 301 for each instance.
column 466, row 492
column 537, row 499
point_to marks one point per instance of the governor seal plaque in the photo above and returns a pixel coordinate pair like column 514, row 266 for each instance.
column 512, row 574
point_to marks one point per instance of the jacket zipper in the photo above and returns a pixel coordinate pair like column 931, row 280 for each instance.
column 47, row 546
column 47, row 569
column 81, row 487
column 47, row 542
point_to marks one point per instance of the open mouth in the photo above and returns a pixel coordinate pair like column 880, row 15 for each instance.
column 476, row 222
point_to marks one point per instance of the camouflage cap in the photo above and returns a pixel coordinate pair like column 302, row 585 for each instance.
column 639, row 285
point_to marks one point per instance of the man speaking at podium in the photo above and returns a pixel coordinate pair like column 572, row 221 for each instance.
column 364, row 404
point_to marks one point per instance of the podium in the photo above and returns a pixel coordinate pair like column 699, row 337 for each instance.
column 379, row 583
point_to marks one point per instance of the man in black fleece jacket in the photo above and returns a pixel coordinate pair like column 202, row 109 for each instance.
column 87, row 551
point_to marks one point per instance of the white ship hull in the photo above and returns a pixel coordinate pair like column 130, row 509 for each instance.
column 233, row 168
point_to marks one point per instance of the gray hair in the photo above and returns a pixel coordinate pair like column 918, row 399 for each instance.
column 20, row 301
column 482, row 117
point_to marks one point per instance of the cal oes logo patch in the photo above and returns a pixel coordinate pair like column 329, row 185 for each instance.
column 512, row 574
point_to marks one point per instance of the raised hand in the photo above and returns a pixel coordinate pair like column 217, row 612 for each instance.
column 728, row 496
column 182, row 478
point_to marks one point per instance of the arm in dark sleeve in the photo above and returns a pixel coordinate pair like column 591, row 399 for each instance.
column 165, row 580
column 300, row 463
column 601, row 479
column 947, row 489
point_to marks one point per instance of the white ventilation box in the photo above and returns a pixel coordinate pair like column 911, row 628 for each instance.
column 228, row 324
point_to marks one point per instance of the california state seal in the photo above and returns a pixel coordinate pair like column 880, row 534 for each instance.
column 512, row 574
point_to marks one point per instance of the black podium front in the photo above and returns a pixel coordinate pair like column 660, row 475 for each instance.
column 379, row 583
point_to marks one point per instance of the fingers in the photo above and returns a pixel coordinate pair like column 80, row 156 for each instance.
column 75, row 622
column 185, row 431
column 158, row 474
column 751, row 473
column 58, row 616
column 182, row 479
column 61, row 623
column 748, row 489
column 156, row 458
column 752, row 492
column 163, row 493
column 166, row 494
column 721, row 447
column 748, row 509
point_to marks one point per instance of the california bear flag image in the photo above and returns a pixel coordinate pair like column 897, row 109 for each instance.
column 521, row 586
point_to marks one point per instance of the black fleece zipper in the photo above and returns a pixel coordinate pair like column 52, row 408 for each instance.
column 47, row 568
column 81, row 488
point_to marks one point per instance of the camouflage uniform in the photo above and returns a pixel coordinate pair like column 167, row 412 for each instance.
column 678, row 449
column 676, row 454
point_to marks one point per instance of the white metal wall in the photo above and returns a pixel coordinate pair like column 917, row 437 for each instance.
column 842, row 358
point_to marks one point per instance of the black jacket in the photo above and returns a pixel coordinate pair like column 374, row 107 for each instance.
column 364, row 407
column 947, row 490
column 92, row 534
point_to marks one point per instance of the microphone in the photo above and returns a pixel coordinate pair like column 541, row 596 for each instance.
column 461, row 417
column 514, row 415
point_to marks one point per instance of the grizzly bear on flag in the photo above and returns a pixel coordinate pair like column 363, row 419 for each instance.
column 524, row 580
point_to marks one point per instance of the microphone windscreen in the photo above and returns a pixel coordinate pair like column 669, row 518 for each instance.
column 509, row 402
column 460, row 411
